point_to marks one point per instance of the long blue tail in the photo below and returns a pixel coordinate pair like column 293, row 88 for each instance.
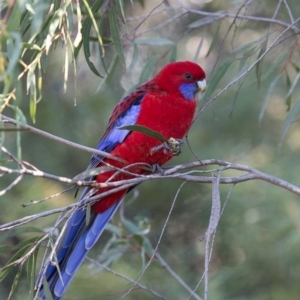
column 78, row 240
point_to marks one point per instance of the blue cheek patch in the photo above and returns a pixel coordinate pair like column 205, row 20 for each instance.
column 188, row 90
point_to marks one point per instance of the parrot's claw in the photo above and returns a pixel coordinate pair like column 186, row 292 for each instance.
column 156, row 168
column 173, row 145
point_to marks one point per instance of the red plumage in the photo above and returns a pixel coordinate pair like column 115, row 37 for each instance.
column 163, row 109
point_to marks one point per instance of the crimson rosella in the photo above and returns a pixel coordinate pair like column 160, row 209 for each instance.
column 165, row 104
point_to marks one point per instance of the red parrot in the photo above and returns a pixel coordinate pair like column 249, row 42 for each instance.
column 166, row 104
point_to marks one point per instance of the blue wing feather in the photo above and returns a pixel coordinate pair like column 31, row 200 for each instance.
column 80, row 237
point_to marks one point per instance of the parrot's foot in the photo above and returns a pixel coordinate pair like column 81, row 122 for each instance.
column 156, row 168
column 173, row 145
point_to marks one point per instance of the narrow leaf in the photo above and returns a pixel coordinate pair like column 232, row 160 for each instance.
column 135, row 57
column 293, row 86
column 288, row 100
column 120, row 10
column 154, row 42
column 216, row 78
column 88, row 214
column 46, row 289
column 13, row 22
column 15, row 282
column 214, row 40
column 145, row 130
column 296, row 67
column 86, row 48
column 87, row 22
column 115, row 34
column 199, row 47
column 31, row 267
column 290, row 118
column 274, row 66
column 148, row 69
column 173, row 54
column 266, row 100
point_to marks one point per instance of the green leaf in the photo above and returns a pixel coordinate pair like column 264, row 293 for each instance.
column 14, row 45
column 7, row 268
column 198, row 23
column 145, row 130
column 290, row 118
column 88, row 22
column 214, row 40
column 131, row 226
column 120, row 10
column 31, row 267
column 46, row 289
column 88, row 214
column 173, row 54
column 115, row 34
column 292, row 87
column 135, row 57
column 258, row 66
column 15, row 282
column 296, row 67
column 113, row 229
column 274, row 66
column 14, row 19
column 154, row 42
column 110, row 72
column 288, row 100
column 86, row 48
column 148, row 69
column 86, row 37
column 266, row 100
column 28, row 242
column 216, row 78
column 199, row 47
column 33, row 95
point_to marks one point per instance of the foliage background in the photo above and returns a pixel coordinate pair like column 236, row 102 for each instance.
column 256, row 251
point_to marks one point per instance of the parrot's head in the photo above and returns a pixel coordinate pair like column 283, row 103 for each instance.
column 183, row 77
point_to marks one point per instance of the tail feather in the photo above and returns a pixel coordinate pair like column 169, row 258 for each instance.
column 79, row 239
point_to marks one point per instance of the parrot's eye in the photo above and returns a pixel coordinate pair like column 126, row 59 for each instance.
column 188, row 76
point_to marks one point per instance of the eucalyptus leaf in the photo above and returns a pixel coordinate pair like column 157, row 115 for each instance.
column 135, row 57
column 46, row 289
column 15, row 282
column 290, row 118
column 154, row 42
column 144, row 130
column 214, row 40
column 216, row 78
column 148, row 69
column 115, row 34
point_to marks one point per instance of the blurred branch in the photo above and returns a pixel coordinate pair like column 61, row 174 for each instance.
column 50, row 136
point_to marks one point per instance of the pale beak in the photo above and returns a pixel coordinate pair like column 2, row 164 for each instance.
column 201, row 85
